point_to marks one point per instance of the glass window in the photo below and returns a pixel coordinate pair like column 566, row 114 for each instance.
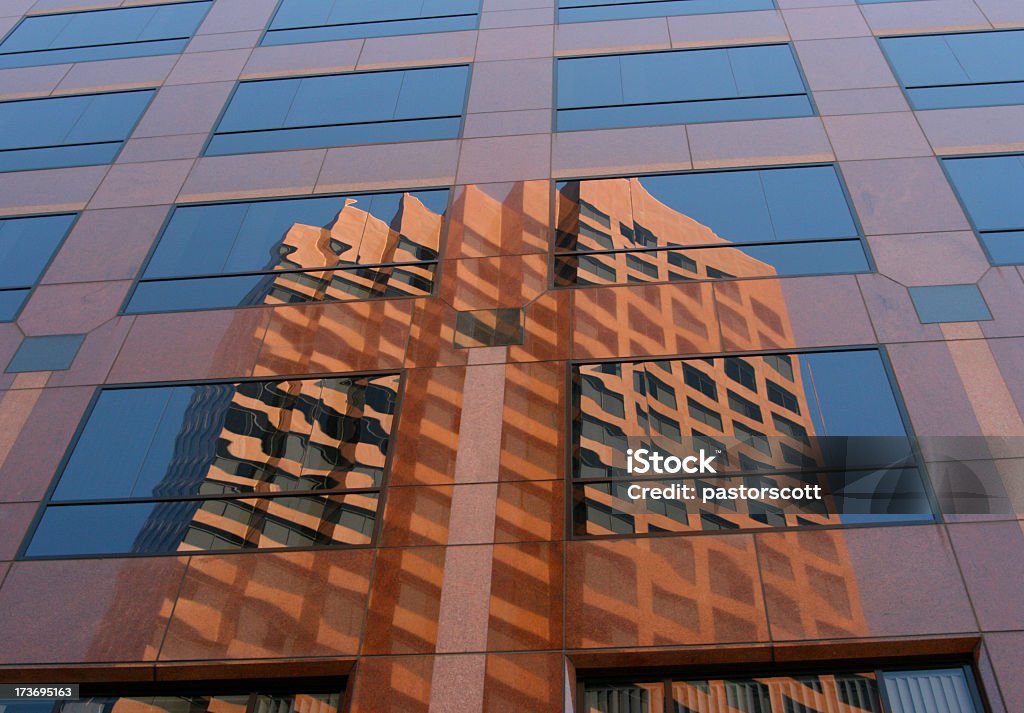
column 737, row 223
column 262, row 701
column 342, row 109
column 26, row 247
column 78, row 130
column 320, row 20
column 844, row 435
column 590, row 10
column 275, row 252
column 991, row 189
column 102, row 34
column 225, row 466
column 680, row 87
column 925, row 691
column 959, row 69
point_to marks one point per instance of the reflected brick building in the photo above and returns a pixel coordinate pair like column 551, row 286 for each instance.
column 320, row 375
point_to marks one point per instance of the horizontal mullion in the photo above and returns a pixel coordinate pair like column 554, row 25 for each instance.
column 289, row 271
column 382, row 22
column 62, row 146
column 965, row 84
column 681, row 101
column 83, row 47
column 704, row 246
column 255, row 495
column 328, row 126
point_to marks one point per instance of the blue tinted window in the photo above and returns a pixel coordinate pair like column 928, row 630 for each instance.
column 340, row 109
column 258, row 464
column 590, row 10
column 320, row 20
column 680, row 87
column 67, row 131
column 102, row 34
column 950, row 303
column 294, row 250
column 26, row 246
column 991, row 189
column 715, row 224
column 962, row 69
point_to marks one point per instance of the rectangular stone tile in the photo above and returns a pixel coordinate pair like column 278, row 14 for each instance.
column 974, row 129
column 281, row 173
column 416, row 50
column 903, row 195
column 310, row 58
column 526, row 597
column 511, row 85
column 141, row 184
column 508, row 158
column 617, row 151
column 162, row 148
column 924, row 16
column 848, row 102
column 386, row 166
column 190, row 109
column 15, row 519
column 611, row 36
column 237, row 16
column 204, row 67
column 75, row 308
column 22, row 82
column 826, row 23
column 507, row 123
column 991, row 556
column 48, row 191
column 929, row 258
column 758, row 143
column 727, row 29
column 517, row 18
column 849, row 63
column 514, row 43
column 865, row 136
column 1002, row 13
column 225, row 41
column 116, row 74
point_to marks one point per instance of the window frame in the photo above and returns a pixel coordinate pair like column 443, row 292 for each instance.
column 382, row 490
column 123, row 142
column 49, row 262
column 905, row 89
column 571, row 365
column 155, row 3
column 554, row 254
column 238, row 83
column 267, row 30
column 594, row 54
column 438, row 263
column 666, row 675
column 963, row 204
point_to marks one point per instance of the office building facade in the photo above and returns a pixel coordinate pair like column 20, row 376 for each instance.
column 332, row 332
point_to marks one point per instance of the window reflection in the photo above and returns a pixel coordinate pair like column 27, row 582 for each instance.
column 705, row 225
column 26, row 246
column 839, row 428
column 293, row 251
column 991, row 189
column 191, row 468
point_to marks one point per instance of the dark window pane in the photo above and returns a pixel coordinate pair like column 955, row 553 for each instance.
column 991, row 188
column 305, row 21
column 26, row 246
column 340, row 109
column 102, row 34
column 650, row 88
column 10, row 303
column 589, row 10
column 1005, row 248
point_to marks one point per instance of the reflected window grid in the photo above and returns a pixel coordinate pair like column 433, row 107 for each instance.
column 278, row 702
column 292, row 251
column 223, row 467
column 677, row 406
column 706, row 225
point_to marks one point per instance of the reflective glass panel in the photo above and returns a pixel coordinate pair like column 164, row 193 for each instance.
column 725, row 224
column 991, row 189
column 67, row 131
column 340, row 109
column 684, row 86
column 840, row 429
column 295, row 250
column 959, row 69
column 176, row 468
column 320, row 20
column 591, row 10
column 102, row 34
